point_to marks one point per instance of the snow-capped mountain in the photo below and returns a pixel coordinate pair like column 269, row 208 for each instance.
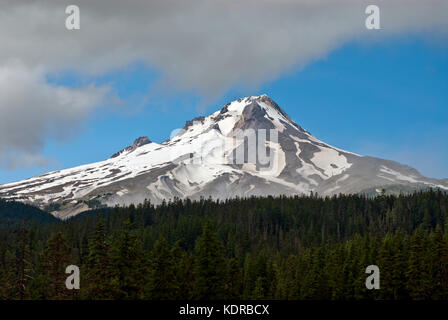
column 201, row 161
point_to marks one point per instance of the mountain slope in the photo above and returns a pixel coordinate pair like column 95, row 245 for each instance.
column 204, row 160
column 14, row 213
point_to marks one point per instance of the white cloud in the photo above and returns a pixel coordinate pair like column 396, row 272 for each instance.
column 203, row 45
column 31, row 109
column 14, row 159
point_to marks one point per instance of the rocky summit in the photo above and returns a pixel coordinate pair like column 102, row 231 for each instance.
column 200, row 162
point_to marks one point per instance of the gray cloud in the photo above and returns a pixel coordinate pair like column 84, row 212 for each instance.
column 31, row 109
column 208, row 46
column 198, row 44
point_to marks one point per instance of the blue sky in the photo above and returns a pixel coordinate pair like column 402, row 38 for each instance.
column 387, row 99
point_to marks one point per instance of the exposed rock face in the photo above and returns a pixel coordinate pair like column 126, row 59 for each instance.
column 141, row 141
column 200, row 162
column 190, row 123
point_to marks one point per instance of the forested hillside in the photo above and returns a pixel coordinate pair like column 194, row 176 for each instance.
column 256, row 248
column 13, row 213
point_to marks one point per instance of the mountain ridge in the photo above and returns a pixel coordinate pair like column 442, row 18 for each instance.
column 201, row 160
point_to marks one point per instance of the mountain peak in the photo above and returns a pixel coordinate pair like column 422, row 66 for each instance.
column 266, row 106
column 199, row 163
column 255, row 112
column 249, row 99
column 264, row 101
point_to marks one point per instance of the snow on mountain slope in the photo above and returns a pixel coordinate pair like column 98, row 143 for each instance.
column 202, row 161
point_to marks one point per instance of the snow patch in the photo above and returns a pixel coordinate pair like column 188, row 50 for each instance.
column 331, row 161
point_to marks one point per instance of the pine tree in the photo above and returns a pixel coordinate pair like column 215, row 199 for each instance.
column 128, row 266
column 98, row 276
column 276, row 246
column 386, row 265
column 438, row 265
column 398, row 277
column 259, row 291
column 23, row 263
column 315, row 283
column 287, row 284
column 185, row 275
column 57, row 258
column 416, row 272
column 336, row 272
column 162, row 281
column 210, row 266
column 249, row 276
column 7, row 287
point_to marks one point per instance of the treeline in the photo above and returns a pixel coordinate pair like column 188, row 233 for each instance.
column 256, row 248
column 12, row 213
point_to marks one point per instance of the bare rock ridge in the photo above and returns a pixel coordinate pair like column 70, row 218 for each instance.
column 192, row 165
column 141, row 141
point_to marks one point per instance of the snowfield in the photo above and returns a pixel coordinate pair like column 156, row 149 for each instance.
column 200, row 162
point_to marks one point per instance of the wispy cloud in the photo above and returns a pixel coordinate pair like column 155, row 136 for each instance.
column 31, row 110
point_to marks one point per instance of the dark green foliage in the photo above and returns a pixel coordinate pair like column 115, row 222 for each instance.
column 128, row 266
column 210, row 271
column 13, row 213
column 163, row 284
column 99, row 272
column 23, row 264
column 438, row 265
column 256, row 248
column 56, row 258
